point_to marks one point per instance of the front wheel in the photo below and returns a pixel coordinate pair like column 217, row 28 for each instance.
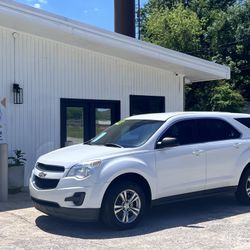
column 123, row 205
column 243, row 190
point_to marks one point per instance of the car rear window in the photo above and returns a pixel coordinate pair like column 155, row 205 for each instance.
column 244, row 121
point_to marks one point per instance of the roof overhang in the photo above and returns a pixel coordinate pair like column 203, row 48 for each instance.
column 26, row 19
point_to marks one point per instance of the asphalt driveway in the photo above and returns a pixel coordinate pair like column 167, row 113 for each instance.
column 211, row 223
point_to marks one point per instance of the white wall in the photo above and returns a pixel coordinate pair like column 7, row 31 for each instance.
column 48, row 70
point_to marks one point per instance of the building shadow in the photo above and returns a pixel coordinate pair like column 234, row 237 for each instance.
column 190, row 214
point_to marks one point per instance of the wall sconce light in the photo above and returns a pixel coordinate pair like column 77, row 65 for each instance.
column 17, row 94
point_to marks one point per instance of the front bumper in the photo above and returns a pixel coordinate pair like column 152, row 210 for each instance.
column 67, row 188
column 76, row 214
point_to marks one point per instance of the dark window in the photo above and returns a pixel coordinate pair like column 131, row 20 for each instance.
column 244, row 121
column 183, row 131
column 140, row 104
column 215, row 130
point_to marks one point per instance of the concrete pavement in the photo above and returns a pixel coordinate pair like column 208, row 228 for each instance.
column 211, row 223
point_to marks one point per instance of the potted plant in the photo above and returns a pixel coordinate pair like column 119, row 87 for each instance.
column 16, row 171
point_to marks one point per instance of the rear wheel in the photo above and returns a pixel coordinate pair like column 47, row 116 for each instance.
column 123, row 205
column 243, row 190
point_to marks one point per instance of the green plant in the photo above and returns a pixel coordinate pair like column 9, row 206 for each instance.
column 18, row 158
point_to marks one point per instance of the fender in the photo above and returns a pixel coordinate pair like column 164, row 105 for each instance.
column 143, row 164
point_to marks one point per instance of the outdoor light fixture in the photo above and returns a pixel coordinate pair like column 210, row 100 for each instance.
column 17, row 94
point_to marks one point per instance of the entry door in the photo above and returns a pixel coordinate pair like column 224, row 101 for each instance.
column 82, row 119
column 181, row 169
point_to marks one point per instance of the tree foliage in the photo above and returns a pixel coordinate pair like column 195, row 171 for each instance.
column 167, row 29
column 210, row 29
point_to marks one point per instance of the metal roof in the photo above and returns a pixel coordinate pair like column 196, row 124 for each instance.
column 26, row 19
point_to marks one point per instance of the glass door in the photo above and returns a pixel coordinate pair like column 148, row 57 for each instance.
column 102, row 119
column 82, row 119
column 74, row 125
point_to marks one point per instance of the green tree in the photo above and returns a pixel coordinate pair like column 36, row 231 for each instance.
column 210, row 29
column 225, row 98
column 178, row 28
column 234, row 47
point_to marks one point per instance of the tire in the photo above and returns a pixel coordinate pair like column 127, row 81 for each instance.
column 243, row 191
column 130, row 202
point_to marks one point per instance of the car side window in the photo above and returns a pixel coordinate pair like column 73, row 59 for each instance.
column 215, row 130
column 183, row 131
column 244, row 121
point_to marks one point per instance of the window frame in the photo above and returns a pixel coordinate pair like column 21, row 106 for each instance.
column 197, row 118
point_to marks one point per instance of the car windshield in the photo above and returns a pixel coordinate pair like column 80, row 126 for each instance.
column 127, row 133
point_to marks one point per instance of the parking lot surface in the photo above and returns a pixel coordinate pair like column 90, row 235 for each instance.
column 211, row 223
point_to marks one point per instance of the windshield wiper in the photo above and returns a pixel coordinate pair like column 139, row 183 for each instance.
column 87, row 142
column 113, row 145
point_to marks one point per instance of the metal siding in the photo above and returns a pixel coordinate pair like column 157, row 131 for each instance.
column 48, row 70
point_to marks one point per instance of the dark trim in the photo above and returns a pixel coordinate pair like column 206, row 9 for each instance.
column 89, row 106
column 146, row 98
column 50, row 168
column 45, row 203
column 75, row 214
column 194, row 195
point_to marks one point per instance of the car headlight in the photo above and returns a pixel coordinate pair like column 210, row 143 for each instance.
column 83, row 170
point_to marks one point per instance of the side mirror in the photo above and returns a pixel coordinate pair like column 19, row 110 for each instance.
column 167, row 142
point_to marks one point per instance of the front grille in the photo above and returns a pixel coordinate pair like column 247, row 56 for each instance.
column 45, row 203
column 50, row 168
column 45, row 183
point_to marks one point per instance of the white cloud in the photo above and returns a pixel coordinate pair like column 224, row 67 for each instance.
column 85, row 11
column 96, row 9
column 37, row 5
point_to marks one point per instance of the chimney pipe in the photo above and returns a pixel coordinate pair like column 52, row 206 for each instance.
column 125, row 17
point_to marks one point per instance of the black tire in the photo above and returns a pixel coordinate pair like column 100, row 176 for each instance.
column 114, row 196
column 242, row 195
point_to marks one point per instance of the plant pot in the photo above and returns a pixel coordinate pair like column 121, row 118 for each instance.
column 15, row 178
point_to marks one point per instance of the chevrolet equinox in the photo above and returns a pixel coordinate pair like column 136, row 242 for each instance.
column 142, row 161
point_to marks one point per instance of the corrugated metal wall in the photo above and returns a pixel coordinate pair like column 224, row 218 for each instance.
column 48, row 70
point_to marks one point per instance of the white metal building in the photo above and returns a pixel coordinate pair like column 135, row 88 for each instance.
column 78, row 79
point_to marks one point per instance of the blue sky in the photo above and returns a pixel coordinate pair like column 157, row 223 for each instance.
column 95, row 12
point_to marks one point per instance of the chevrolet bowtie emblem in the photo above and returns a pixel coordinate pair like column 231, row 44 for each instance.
column 42, row 174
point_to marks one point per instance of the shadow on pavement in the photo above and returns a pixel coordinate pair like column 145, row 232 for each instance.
column 16, row 201
column 183, row 214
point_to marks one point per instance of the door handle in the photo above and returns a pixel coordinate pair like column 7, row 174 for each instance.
column 197, row 152
column 237, row 144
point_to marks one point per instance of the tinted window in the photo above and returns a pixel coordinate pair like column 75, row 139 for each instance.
column 146, row 104
column 183, row 131
column 215, row 130
column 244, row 121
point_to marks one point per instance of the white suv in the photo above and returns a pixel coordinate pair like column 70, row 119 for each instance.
column 143, row 161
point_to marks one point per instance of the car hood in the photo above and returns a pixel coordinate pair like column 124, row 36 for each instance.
column 69, row 156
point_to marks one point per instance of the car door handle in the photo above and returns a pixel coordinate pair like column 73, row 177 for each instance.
column 237, row 144
column 197, row 152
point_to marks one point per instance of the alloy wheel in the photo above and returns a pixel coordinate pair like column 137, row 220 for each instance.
column 248, row 186
column 127, row 206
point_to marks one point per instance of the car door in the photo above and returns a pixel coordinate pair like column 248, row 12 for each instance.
column 223, row 146
column 181, row 169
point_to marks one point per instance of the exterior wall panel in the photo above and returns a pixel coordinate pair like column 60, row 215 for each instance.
column 48, row 70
